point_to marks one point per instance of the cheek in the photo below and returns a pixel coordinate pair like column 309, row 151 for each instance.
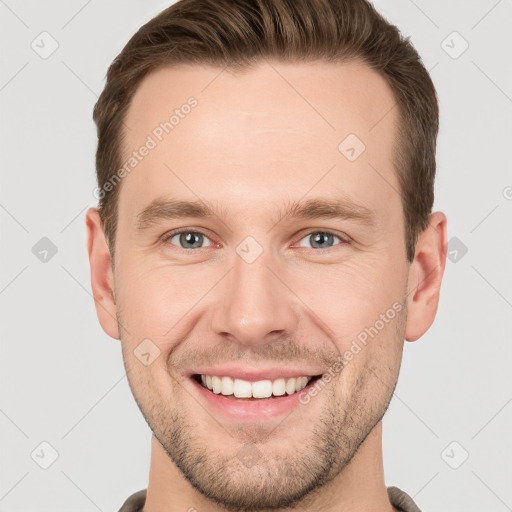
column 154, row 299
column 162, row 301
column 351, row 296
column 150, row 380
column 360, row 305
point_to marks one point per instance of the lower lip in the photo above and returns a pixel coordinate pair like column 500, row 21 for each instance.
column 250, row 409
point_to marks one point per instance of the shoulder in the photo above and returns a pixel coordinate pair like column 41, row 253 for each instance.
column 401, row 500
column 135, row 502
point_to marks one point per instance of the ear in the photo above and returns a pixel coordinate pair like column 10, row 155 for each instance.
column 425, row 275
column 102, row 278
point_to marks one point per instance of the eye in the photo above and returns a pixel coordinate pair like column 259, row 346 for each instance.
column 319, row 240
column 188, row 239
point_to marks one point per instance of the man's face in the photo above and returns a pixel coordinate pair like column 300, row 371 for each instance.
column 249, row 292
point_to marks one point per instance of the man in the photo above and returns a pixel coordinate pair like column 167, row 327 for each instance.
column 263, row 246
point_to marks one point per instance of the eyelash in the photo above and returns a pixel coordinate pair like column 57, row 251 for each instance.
column 168, row 236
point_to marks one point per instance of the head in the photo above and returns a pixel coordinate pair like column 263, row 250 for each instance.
column 265, row 183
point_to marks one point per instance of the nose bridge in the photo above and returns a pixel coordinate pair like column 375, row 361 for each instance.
column 253, row 301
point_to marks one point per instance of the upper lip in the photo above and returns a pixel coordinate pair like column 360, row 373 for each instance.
column 253, row 375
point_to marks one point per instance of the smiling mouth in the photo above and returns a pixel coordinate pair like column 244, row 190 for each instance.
column 239, row 389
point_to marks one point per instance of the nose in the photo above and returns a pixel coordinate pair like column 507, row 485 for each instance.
column 255, row 304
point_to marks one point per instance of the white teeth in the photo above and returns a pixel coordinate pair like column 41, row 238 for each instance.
column 242, row 389
column 279, row 387
column 227, row 386
column 290, row 386
column 303, row 382
column 259, row 389
column 216, row 384
column 262, row 389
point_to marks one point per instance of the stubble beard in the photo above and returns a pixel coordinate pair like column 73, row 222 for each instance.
column 274, row 482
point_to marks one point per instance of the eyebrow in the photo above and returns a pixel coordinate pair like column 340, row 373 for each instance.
column 343, row 209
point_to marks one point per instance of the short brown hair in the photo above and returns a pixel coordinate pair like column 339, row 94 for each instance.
column 238, row 33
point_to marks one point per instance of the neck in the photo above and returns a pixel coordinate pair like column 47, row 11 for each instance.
column 358, row 487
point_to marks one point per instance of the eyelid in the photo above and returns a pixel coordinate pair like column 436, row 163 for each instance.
column 170, row 234
column 343, row 238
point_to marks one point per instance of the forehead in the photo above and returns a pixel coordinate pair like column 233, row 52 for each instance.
column 249, row 137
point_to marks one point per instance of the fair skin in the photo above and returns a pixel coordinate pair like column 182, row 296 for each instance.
column 251, row 147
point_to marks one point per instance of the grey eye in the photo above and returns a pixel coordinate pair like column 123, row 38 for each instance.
column 190, row 240
column 319, row 240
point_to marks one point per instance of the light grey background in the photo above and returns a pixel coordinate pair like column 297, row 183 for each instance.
column 62, row 378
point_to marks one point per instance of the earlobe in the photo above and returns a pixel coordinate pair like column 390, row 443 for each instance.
column 425, row 276
column 102, row 279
